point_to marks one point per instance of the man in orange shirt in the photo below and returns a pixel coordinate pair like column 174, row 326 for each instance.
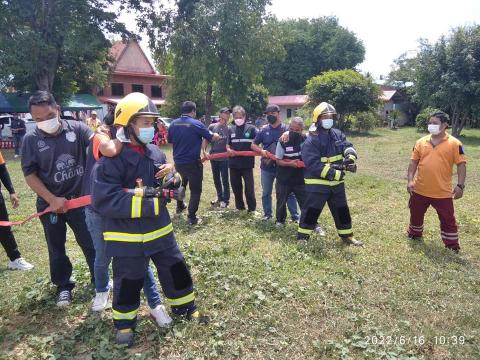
column 432, row 159
column 93, row 122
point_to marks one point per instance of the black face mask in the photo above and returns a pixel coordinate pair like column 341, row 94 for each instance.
column 294, row 136
column 271, row 119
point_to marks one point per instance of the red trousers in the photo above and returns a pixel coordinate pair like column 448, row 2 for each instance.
column 444, row 207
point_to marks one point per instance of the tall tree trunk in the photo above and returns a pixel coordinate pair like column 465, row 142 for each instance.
column 458, row 123
column 42, row 80
column 50, row 50
column 208, row 103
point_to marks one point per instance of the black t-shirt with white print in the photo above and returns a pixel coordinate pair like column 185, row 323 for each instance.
column 58, row 160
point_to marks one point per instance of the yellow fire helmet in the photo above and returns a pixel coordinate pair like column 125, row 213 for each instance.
column 134, row 104
column 321, row 109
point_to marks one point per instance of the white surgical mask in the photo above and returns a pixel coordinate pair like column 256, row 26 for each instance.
column 240, row 121
column 327, row 123
column 434, row 129
column 49, row 126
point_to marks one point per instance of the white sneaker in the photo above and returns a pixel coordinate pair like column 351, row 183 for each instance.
column 223, row 205
column 20, row 264
column 319, row 230
column 279, row 224
column 160, row 315
column 16, row 156
column 100, row 302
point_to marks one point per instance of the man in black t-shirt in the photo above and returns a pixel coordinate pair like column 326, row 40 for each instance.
column 18, row 131
column 220, row 166
column 289, row 176
column 266, row 142
column 240, row 138
column 53, row 164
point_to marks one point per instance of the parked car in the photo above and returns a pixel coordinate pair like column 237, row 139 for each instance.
column 166, row 121
column 5, row 122
column 29, row 123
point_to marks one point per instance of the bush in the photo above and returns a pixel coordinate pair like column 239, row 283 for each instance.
column 363, row 121
column 422, row 119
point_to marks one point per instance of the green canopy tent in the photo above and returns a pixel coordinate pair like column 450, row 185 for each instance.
column 5, row 106
column 18, row 103
column 81, row 102
column 15, row 102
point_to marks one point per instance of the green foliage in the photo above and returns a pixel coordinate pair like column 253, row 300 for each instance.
column 447, row 75
column 347, row 90
column 363, row 121
column 257, row 100
column 263, row 292
column 59, row 45
column 422, row 119
column 310, row 47
column 217, row 49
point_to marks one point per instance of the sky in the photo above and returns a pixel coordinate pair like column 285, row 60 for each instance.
column 386, row 28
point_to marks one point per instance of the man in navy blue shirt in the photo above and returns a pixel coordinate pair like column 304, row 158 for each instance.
column 186, row 134
column 268, row 137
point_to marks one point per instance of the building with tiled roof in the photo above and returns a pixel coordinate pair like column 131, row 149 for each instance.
column 132, row 72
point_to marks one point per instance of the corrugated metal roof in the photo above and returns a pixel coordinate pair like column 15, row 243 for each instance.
column 288, row 100
column 387, row 95
column 115, row 100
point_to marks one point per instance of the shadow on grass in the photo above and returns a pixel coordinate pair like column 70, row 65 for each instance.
column 364, row 134
column 437, row 253
column 470, row 140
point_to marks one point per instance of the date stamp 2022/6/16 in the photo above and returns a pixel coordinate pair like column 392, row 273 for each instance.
column 441, row 340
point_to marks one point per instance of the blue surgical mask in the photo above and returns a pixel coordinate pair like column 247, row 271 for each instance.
column 146, row 135
column 327, row 123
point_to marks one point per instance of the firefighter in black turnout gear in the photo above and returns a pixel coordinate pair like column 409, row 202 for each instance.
column 137, row 226
column 327, row 156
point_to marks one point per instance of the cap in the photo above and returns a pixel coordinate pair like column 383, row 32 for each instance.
column 225, row 110
column 272, row 108
column 93, row 112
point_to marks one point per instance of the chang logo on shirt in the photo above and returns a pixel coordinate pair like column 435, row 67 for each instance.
column 67, row 168
column 42, row 146
column 71, row 136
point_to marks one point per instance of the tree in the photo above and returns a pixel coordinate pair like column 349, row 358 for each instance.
column 446, row 75
column 347, row 90
column 219, row 48
column 257, row 100
column 58, row 45
column 310, row 47
column 403, row 77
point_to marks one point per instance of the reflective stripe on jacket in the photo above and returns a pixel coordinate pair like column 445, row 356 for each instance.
column 133, row 226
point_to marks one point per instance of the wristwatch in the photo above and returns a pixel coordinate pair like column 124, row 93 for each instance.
column 461, row 186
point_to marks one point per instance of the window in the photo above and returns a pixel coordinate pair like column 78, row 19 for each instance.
column 156, row 91
column 289, row 113
column 137, row 88
column 117, row 89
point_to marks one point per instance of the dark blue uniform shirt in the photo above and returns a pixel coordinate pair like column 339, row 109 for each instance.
column 186, row 133
column 268, row 137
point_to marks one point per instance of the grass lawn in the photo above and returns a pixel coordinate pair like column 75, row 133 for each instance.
column 267, row 297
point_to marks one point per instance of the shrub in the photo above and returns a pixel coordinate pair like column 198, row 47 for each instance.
column 363, row 121
column 421, row 121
